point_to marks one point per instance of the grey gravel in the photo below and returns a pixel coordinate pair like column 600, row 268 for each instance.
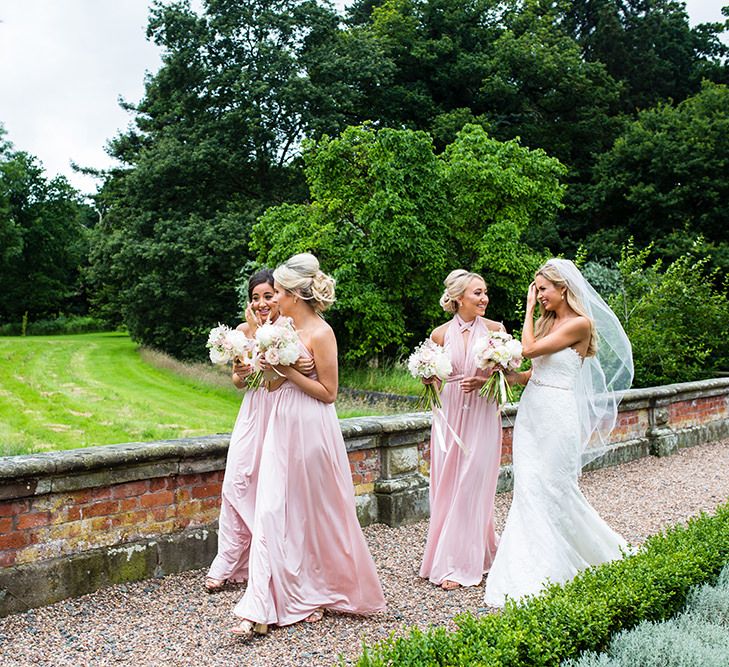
column 171, row 621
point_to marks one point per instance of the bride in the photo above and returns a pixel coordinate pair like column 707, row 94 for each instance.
column 582, row 362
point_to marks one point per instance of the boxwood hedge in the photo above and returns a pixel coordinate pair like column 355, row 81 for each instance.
column 581, row 615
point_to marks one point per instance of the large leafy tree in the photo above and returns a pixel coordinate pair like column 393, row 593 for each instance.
column 389, row 217
column 667, row 173
column 43, row 240
column 649, row 46
column 214, row 142
column 507, row 65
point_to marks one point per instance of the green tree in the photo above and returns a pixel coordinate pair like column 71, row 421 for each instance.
column 215, row 142
column 667, row 176
column 677, row 321
column 43, row 240
column 649, row 46
column 507, row 65
column 389, row 218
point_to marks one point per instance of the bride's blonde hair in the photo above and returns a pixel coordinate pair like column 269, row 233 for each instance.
column 455, row 285
column 301, row 276
column 546, row 317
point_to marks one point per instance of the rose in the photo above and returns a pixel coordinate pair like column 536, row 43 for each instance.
column 217, row 356
column 272, row 356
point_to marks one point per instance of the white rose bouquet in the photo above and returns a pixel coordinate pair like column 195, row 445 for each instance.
column 429, row 360
column 502, row 352
column 225, row 344
column 277, row 344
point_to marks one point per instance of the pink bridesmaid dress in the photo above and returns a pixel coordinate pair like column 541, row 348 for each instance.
column 308, row 550
column 462, row 540
column 238, row 500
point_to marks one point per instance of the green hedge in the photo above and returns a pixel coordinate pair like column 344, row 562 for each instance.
column 579, row 616
column 698, row 637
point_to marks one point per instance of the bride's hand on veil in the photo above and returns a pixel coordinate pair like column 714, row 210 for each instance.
column 531, row 303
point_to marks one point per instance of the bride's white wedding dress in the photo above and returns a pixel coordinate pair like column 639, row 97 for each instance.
column 552, row 532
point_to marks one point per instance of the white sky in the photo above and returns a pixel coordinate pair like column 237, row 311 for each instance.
column 65, row 63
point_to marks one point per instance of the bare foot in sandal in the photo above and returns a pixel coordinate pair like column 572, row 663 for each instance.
column 448, row 585
column 214, row 585
column 246, row 629
column 315, row 616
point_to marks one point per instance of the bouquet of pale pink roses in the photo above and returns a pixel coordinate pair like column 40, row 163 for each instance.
column 502, row 352
column 225, row 344
column 429, row 360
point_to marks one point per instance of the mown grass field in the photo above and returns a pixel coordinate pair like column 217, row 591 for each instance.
column 63, row 392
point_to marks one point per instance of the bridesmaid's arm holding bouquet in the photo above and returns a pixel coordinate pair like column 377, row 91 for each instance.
column 240, row 370
column 323, row 347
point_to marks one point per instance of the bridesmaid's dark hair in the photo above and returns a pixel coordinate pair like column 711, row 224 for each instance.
column 258, row 278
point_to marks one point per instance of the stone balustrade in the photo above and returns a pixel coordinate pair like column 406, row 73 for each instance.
column 74, row 521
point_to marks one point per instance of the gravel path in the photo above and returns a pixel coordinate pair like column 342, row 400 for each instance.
column 171, row 621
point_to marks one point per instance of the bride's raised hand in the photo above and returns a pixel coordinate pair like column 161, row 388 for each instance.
column 531, row 303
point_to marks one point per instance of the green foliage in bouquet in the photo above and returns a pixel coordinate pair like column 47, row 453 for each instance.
column 675, row 317
column 579, row 616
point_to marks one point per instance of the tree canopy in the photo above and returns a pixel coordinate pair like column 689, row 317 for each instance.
column 43, row 239
column 389, row 217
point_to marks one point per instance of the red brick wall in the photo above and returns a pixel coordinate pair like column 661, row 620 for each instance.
column 58, row 524
column 38, row 527
column 698, row 411
column 365, row 467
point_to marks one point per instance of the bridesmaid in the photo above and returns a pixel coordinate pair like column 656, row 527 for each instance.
column 308, row 552
column 462, row 541
column 244, row 452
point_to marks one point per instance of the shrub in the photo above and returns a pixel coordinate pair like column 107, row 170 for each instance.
column 579, row 616
column 676, row 318
column 698, row 637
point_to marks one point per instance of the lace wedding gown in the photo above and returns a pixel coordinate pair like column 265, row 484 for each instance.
column 552, row 532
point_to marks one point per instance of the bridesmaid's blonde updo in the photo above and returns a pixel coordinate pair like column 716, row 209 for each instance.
column 455, row 285
column 300, row 275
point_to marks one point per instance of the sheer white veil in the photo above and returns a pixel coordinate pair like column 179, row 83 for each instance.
column 604, row 377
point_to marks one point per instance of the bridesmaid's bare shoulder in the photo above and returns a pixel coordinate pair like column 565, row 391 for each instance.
column 438, row 334
column 243, row 326
column 493, row 325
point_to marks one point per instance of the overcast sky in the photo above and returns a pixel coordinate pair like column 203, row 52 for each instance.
column 65, row 63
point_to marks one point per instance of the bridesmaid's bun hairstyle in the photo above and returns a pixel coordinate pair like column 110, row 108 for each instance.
column 259, row 278
column 455, row 285
column 302, row 276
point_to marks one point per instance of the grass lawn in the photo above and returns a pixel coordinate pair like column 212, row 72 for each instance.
column 63, row 392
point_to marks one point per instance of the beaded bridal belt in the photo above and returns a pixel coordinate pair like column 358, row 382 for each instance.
column 539, row 383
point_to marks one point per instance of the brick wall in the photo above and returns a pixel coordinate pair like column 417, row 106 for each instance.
column 153, row 506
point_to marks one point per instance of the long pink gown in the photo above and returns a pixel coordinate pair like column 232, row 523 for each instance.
column 237, row 507
column 462, row 540
column 308, row 550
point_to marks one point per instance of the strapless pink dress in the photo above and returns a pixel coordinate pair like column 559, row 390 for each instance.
column 307, row 550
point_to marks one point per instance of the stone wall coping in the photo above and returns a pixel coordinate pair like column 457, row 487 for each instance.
column 361, row 432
